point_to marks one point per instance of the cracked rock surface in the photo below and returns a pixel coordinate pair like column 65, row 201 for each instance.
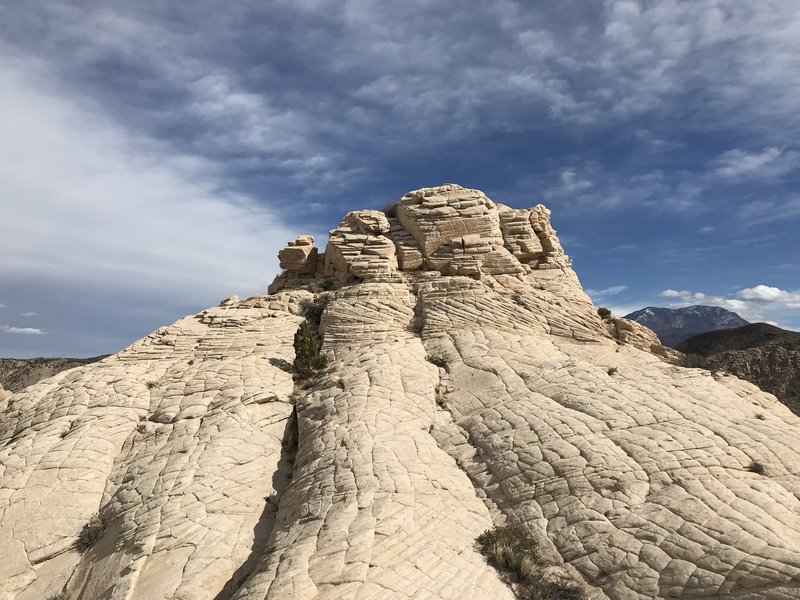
column 470, row 383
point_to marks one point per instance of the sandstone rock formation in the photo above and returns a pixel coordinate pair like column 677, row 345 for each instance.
column 631, row 332
column 299, row 256
column 470, row 383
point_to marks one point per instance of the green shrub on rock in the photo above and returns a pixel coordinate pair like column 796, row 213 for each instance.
column 307, row 359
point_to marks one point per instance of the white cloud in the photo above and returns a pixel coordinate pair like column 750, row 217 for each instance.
column 96, row 208
column 772, row 295
column 2, row 305
column 676, row 293
column 609, row 291
column 21, row 330
column 28, row 314
column 706, row 229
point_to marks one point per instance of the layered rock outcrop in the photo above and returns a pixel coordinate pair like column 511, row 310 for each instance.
column 631, row 332
column 448, row 229
column 470, row 383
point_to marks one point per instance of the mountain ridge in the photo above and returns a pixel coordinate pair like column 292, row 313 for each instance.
column 18, row 373
column 760, row 353
column 673, row 325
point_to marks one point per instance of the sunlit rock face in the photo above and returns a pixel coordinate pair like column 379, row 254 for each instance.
column 470, row 383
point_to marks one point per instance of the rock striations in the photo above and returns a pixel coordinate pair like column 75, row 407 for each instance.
column 470, row 384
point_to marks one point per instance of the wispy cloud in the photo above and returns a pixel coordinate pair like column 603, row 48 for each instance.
column 765, row 212
column 28, row 314
column 609, row 291
column 21, row 330
column 587, row 187
column 769, row 162
column 118, row 210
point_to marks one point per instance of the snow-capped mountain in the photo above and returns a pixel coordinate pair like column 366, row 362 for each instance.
column 673, row 325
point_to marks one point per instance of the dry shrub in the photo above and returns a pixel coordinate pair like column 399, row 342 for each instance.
column 91, row 532
column 518, row 559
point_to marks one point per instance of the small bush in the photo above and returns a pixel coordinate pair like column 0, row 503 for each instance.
column 308, row 362
column 756, row 467
column 604, row 313
column 507, row 548
column 90, row 533
column 518, row 560
column 150, row 385
column 612, row 370
column 760, row 416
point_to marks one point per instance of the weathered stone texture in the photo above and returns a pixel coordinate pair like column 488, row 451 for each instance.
column 175, row 441
column 520, row 238
column 299, row 256
column 450, row 403
column 633, row 333
column 359, row 249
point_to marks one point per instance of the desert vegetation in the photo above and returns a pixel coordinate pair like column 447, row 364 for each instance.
column 308, row 361
column 519, row 560
column 91, row 532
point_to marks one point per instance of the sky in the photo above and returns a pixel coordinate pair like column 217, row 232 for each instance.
column 155, row 156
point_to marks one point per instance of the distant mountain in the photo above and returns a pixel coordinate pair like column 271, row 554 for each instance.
column 755, row 335
column 673, row 325
column 762, row 354
column 19, row 373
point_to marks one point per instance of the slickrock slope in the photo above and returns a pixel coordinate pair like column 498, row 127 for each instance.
column 470, row 383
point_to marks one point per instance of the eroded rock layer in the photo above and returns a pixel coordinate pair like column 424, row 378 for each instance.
column 470, row 383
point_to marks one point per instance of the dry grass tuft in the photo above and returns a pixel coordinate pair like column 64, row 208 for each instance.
column 518, row 559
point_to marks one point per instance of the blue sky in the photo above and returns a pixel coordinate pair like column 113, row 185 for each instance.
column 155, row 156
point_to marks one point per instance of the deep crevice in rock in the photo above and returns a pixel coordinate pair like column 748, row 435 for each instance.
column 284, row 474
column 262, row 531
